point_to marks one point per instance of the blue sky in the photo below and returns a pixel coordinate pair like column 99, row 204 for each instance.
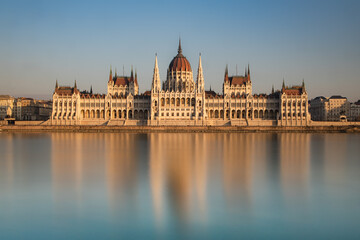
column 41, row 41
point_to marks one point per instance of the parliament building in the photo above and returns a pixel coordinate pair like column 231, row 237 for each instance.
column 180, row 101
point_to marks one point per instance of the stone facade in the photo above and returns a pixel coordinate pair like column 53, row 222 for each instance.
column 24, row 108
column 329, row 109
column 180, row 100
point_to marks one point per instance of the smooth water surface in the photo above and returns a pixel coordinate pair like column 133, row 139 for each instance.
column 179, row 186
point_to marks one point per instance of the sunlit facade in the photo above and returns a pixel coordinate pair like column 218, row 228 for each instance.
column 180, row 101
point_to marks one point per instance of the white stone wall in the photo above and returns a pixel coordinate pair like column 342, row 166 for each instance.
column 294, row 110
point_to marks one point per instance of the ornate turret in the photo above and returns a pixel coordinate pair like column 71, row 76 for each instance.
column 132, row 74
column 283, row 85
column 200, row 77
column 110, row 75
column 303, row 86
column 136, row 83
column 155, row 86
column 226, row 77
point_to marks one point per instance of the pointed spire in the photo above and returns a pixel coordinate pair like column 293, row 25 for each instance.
column 303, row 85
column 246, row 72
column 156, row 77
column 132, row 73
column 226, row 77
column 272, row 90
column 200, row 77
column 75, row 85
column 248, row 69
column 210, row 87
column 179, row 49
column 91, row 91
column 136, row 76
column 115, row 72
column 110, row 74
column 56, row 84
column 283, row 84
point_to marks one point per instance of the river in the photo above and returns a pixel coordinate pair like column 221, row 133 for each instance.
column 179, row 186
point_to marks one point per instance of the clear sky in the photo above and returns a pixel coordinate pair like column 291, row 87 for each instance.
column 318, row 41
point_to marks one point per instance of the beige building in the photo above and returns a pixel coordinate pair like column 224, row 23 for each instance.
column 6, row 106
column 329, row 109
column 24, row 108
column 355, row 111
column 180, row 100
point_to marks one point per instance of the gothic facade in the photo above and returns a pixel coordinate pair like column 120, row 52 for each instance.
column 180, row 100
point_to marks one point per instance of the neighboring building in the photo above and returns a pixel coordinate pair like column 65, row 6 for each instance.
column 24, row 108
column 355, row 111
column 329, row 109
column 180, row 100
column 6, row 106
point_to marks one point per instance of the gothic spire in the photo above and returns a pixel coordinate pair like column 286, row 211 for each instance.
column 248, row 69
column 226, row 77
column 179, row 49
column 75, row 85
column 110, row 74
column 303, row 85
column 132, row 73
column 91, row 91
column 272, row 90
column 136, row 76
column 56, row 84
column 283, row 84
column 200, row 77
column 156, row 77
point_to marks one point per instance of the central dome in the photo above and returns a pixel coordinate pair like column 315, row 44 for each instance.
column 179, row 62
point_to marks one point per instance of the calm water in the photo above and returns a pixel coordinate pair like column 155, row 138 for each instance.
column 184, row 186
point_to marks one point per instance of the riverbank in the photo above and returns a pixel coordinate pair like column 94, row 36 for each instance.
column 183, row 129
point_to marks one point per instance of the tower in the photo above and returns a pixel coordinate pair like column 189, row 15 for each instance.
column 226, row 84
column 200, row 77
column 155, row 86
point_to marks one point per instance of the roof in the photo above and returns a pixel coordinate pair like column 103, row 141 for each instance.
column 212, row 94
column 147, row 93
column 179, row 62
column 337, row 97
column 66, row 90
column 294, row 90
column 6, row 97
column 122, row 80
column 88, row 95
column 238, row 80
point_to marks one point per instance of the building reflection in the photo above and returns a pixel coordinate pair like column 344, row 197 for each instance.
column 7, row 161
column 294, row 166
column 122, row 170
column 105, row 163
column 67, row 163
column 238, row 153
column 178, row 176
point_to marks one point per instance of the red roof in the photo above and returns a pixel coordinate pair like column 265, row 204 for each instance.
column 296, row 90
column 121, row 81
column 238, row 80
column 180, row 63
column 66, row 90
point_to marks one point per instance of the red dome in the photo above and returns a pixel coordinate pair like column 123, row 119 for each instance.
column 179, row 62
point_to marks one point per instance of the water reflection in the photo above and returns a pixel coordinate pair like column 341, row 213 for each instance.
column 180, row 183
